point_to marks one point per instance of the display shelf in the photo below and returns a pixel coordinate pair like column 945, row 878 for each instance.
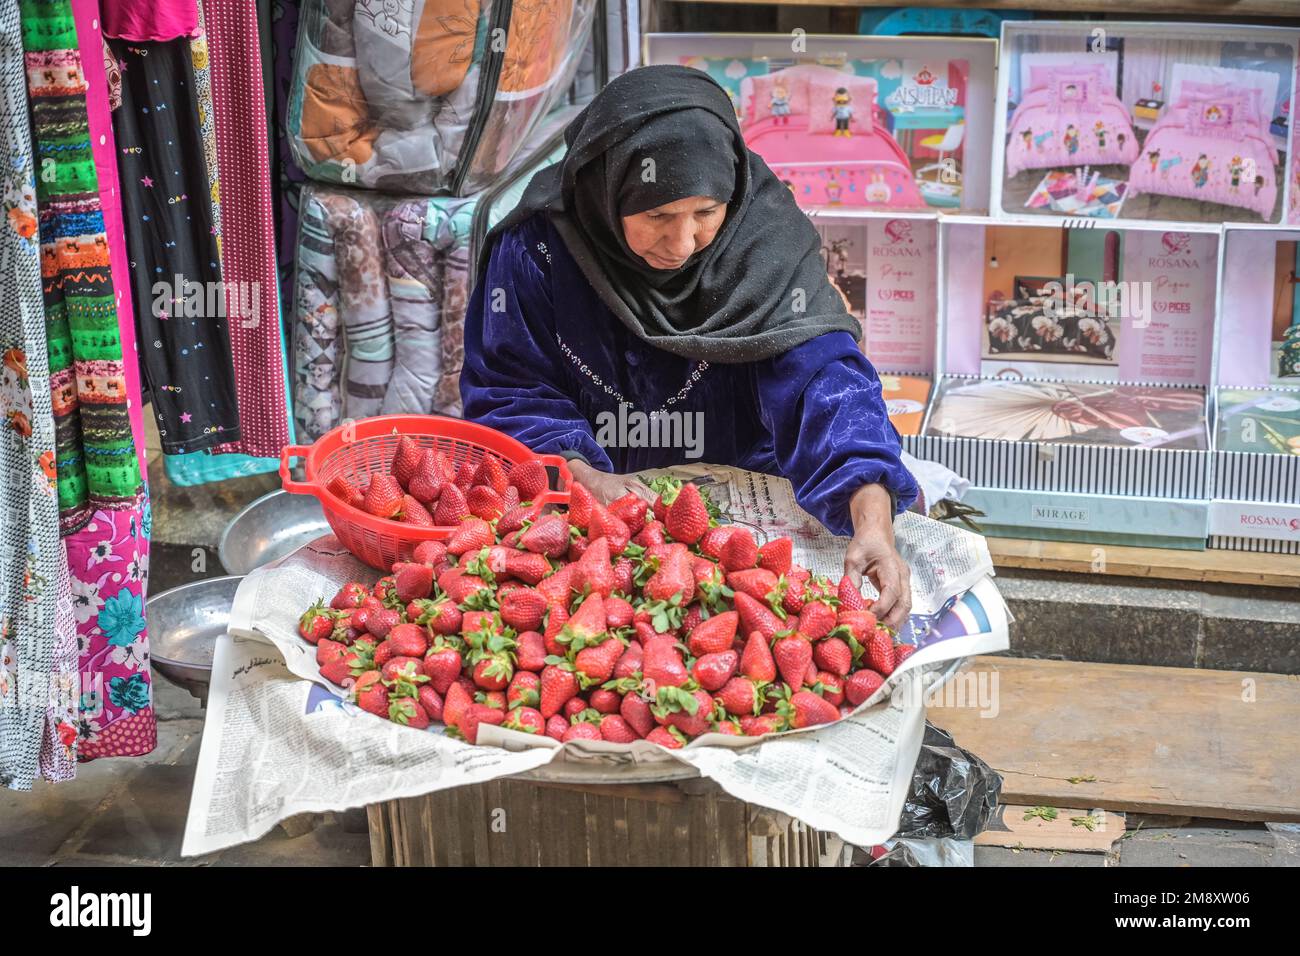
column 1239, row 10
column 1217, row 567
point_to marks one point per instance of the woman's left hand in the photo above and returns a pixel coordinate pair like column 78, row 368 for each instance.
column 872, row 552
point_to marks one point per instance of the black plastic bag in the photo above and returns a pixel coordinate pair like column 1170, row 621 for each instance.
column 953, row 793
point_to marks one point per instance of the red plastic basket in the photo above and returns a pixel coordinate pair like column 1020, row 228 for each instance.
column 365, row 447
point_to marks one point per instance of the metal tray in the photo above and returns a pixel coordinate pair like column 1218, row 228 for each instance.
column 184, row 624
column 274, row 525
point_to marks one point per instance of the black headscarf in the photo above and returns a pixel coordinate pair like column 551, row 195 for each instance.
column 656, row 135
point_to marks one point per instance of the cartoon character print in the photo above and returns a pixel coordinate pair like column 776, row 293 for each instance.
column 834, row 191
column 877, row 190
column 1027, row 138
column 1099, row 130
column 780, row 104
column 15, row 393
column 1235, row 169
column 1153, row 157
column 20, row 201
column 1201, row 171
column 1071, row 139
column 842, row 112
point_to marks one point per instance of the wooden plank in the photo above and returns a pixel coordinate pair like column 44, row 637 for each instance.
column 1223, row 744
column 1009, row 827
column 1223, row 567
column 1237, row 9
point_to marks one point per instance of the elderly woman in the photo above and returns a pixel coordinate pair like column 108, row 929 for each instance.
column 661, row 266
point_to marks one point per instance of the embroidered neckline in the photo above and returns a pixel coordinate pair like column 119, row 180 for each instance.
column 696, row 374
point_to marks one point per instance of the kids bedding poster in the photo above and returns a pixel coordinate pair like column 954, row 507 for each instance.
column 1168, row 324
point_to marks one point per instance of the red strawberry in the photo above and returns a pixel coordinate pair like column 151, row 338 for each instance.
column 694, row 615
column 645, row 632
column 409, row 640
column 756, row 582
column 383, row 620
column 594, row 665
column 528, row 720
column 833, row 655
column 440, row 616
column 384, row 500
column 475, row 716
column 556, row 618
column 559, row 586
column 776, row 555
column 756, row 661
column 465, row 475
column 806, row 709
column 492, row 473
column 524, row 690
column 459, row 586
column 880, row 652
column 832, row 687
column 652, row 533
column 605, row 701
column 527, row 567
column 594, row 572
column 511, row 498
column 618, row 613
column 529, row 477
column 631, row 510
column 413, row 581
column 351, row 595
column 623, row 575
column 580, row 502
column 345, row 491
column 573, row 707
column 523, row 608
column 472, row 535
column 557, row 727
column 793, row 655
column 741, row 696
column 793, row 593
column 408, row 712
column 730, row 727
column 370, row 694
column 515, row 517
column 662, row 664
column 493, row 672
column 901, row 653
column 688, row 711
column 559, row 686
column 669, row 737
column 762, row 724
column 485, row 503
column 442, row 666
column 714, row 635
column 429, row 478
column 431, row 553
column 406, row 460
column 452, row 507
column 740, row 552
column 712, row 671
column 550, row 536
column 414, row 513
column 861, row 624
column 850, row 596
column 581, row 731
column 316, row 623
column 635, row 709
column 341, row 670
column 603, row 523
column 531, row 652
column 714, row 540
column 757, row 616
column 455, row 702
column 616, row 729
column 687, row 518
column 431, row 701
column 816, row 620
column 587, row 625
column 674, row 577
column 630, row 662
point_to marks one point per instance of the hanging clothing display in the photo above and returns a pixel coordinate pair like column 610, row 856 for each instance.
column 105, row 511
column 248, row 234
column 146, row 20
column 37, row 643
column 182, row 309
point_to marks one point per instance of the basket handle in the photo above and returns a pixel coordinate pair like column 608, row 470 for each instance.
column 289, row 484
column 560, row 496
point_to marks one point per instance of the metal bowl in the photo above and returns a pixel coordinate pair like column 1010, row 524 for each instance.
column 274, row 525
column 184, row 624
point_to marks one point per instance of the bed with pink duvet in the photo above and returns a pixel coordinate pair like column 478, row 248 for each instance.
column 1211, row 145
column 1069, row 117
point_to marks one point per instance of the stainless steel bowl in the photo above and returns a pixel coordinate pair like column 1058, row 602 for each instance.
column 269, row 528
column 184, row 624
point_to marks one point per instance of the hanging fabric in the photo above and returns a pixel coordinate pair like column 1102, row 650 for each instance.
column 37, row 641
column 149, row 20
column 104, row 506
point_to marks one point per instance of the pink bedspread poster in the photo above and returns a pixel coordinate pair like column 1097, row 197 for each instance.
column 902, row 278
column 1173, row 274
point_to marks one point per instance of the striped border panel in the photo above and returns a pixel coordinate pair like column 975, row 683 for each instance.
column 1257, row 476
column 1257, row 545
column 1079, row 469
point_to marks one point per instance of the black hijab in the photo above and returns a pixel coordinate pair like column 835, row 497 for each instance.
column 656, row 135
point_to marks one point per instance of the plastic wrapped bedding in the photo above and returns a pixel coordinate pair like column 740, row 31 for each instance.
column 420, row 96
column 380, row 292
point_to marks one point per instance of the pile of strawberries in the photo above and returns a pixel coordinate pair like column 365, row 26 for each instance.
column 621, row 622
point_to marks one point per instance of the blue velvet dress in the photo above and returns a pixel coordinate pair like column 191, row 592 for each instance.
column 545, row 357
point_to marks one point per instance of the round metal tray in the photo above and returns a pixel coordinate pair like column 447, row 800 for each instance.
column 184, row 624
column 274, row 525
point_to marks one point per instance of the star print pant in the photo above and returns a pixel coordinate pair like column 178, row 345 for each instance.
column 182, row 308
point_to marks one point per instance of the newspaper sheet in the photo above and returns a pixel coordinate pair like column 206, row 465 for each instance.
column 279, row 740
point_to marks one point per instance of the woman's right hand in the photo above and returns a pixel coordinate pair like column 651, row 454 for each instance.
column 607, row 487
